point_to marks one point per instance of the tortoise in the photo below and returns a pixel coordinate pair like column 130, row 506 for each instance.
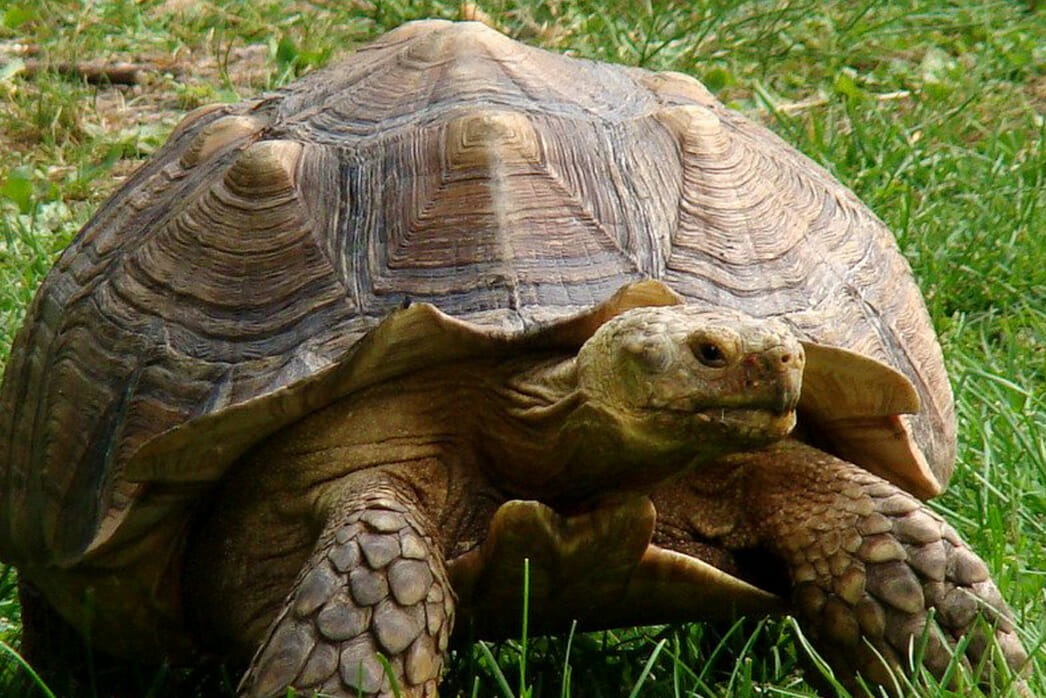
column 314, row 383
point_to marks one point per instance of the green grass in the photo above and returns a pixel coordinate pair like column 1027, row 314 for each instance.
column 932, row 112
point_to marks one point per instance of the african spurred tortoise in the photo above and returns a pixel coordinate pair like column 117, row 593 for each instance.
column 336, row 359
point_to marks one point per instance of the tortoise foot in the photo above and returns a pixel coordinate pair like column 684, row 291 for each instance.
column 372, row 606
column 898, row 586
column 880, row 583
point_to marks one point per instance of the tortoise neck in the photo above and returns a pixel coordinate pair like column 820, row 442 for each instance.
column 522, row 438
column 548, row 441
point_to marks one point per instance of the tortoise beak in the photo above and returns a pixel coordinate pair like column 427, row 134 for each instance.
column 779, row 372
column 787, row 398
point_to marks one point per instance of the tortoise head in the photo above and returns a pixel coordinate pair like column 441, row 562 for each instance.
column 667, row 383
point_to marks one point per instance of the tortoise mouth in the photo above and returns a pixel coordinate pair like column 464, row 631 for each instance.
column 752, row 425
column 775, row 416
column 777, row 399
column 775, row 419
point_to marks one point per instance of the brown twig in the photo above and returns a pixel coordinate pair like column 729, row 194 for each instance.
column 96, row 72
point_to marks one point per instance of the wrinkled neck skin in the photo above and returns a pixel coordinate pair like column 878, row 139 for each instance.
column 551, row 442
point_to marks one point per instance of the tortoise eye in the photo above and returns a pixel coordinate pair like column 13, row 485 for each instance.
column 710, row 354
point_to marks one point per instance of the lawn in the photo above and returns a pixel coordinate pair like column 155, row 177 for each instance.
column 934, row 113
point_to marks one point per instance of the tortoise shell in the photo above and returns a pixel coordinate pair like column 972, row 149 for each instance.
column 445, row 163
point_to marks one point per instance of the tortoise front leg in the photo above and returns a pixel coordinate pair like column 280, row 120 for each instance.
column 866, row 561
column 376, row 583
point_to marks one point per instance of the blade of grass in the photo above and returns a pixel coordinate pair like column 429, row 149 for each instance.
column 7, row 649
column 564, row 690
column 383, row 660
column 647, row 668
column 523, row 635
column 492, row 664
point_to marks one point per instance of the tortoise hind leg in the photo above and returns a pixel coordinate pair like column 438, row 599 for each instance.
column 866, row 561
column 376, row 583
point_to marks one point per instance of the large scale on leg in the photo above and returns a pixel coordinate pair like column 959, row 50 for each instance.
column 243, row 294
